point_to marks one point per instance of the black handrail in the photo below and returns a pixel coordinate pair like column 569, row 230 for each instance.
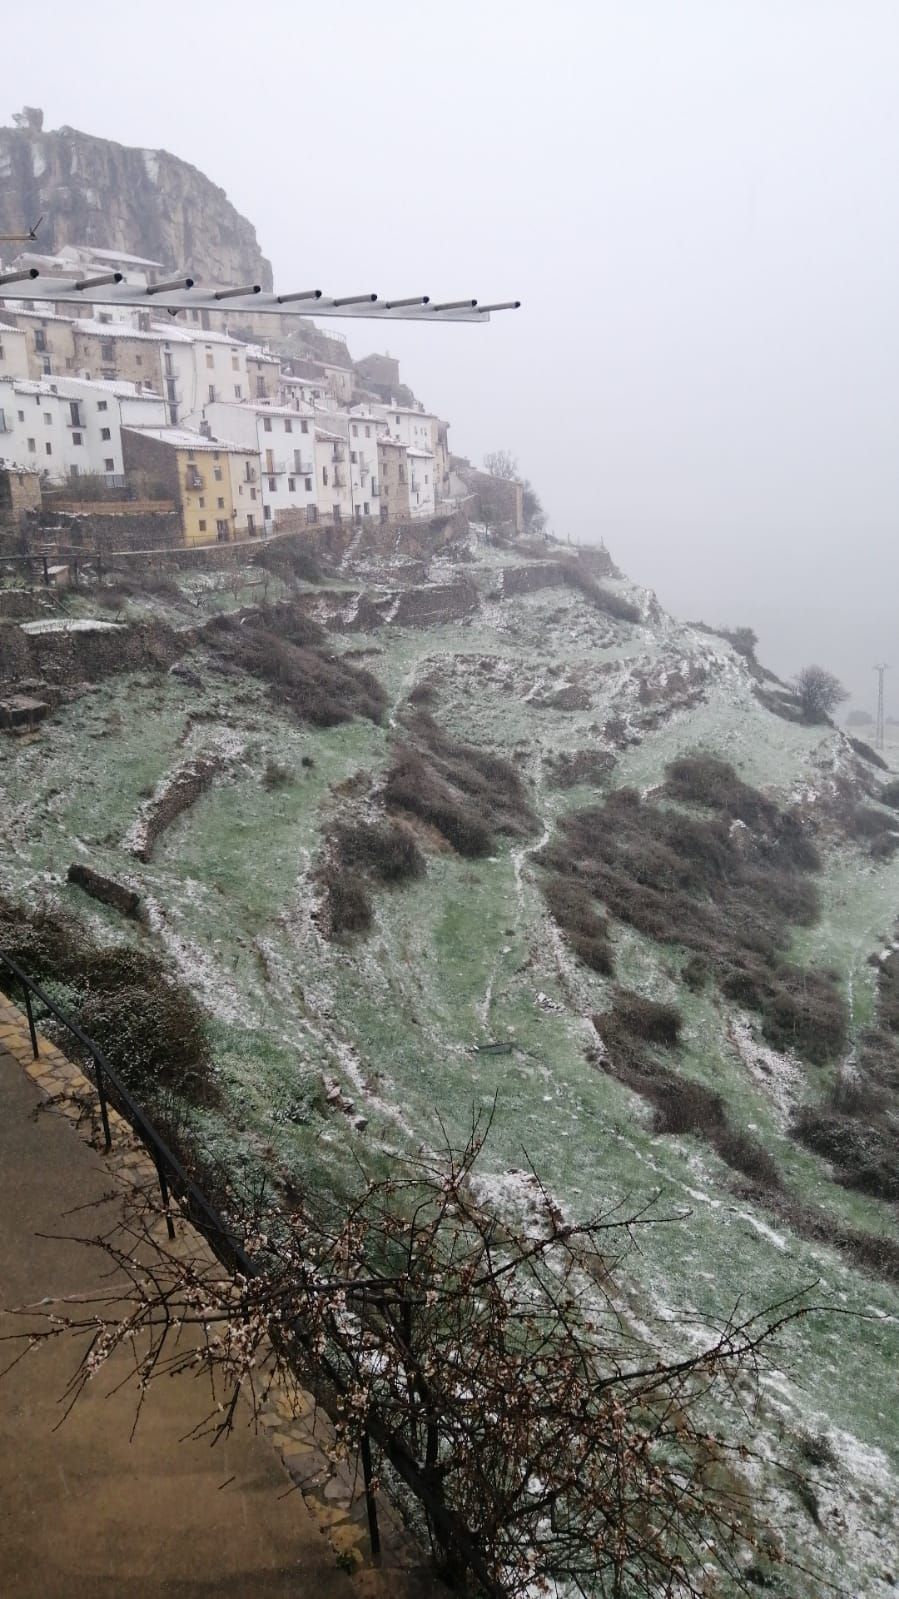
column 169, row 1170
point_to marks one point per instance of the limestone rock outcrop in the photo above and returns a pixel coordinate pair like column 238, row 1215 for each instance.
column 145, row 202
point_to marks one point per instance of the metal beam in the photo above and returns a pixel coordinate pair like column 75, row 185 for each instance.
column 179, row 294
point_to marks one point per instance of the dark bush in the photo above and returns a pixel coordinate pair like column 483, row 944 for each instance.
column 889, row 795
column 131, row 1004
column 384, row 850
column 578, row 577
column 276, row 775
column 413, row 785
column 423, row 694
column 349, row 909
column 284, row 647
column 728, row 896
column 865, row 822
column 580, row 766
column 681, row 1105
column 571, row 905
column 468, row 793
column 867, row 754
column 867, row 1157
column 648, row 1019
column 696, row 973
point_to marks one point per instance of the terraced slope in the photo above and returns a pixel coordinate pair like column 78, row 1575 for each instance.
column 516, row 694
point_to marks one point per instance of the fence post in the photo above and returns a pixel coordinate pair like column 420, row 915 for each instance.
column 104, row 1108
column 164, row 1191
column 374, row 1536
column 30, row 1014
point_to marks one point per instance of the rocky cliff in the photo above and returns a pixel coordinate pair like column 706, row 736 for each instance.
column 145, row 202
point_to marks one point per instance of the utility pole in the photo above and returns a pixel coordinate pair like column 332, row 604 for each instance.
column 880, row 668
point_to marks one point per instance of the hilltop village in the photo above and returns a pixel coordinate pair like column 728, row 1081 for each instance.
column 196, row 434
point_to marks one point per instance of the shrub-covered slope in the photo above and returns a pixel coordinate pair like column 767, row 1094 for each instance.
column 574, row 858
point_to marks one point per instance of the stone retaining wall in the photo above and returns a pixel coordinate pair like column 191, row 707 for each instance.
column 105, row 889
column 177, row 793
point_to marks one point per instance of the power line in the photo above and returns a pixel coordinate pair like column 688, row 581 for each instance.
column 880, row 668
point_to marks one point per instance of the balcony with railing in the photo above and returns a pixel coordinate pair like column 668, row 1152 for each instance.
column 193, row 478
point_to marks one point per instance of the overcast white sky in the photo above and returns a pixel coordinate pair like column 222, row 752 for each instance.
column 696, row 200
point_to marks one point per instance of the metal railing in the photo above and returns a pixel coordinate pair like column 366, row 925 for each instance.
column 173, row 1179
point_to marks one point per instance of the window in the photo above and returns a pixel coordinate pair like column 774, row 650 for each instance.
column 402, row 474
column 31, row 444
column 209, row 359
column 107, row 351
column 212, row 391
column 202, row 503
column 252, row 494
column 368, row 433
column 304, row 427
column 355, row 431
column 308, row 485
column 220, row 503
column 353, row 455
column 21, row 415
column 291, row 484
column 272, row 485
column 105, row 433
column 102, row 405
column 40, row 340
column 77, row 438
column 138, row 360
column 48, row 449
column 366, row 508
column 48, row 419
column 288, row 426
column 337, row 513
column 325, row 476
column 202, row 524
column 221, row 530
column 217, row 473
column 235, row 364
column 109, row 464
column 238, row 392
column 266, row 424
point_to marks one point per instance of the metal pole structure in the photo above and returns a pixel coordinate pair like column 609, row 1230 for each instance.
column 879, row 731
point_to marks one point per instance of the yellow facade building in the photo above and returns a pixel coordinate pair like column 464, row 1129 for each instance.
column 215, row 485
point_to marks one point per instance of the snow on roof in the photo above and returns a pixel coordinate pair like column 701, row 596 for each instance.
column 392, row 443
column 183, row 439
column 420, row 455
column 195, row 335
column 16, row 309
column 261, row 408
column 115, row 255
column 322, row 433
column 123, row 330
column 255, row 352
column 120, row 387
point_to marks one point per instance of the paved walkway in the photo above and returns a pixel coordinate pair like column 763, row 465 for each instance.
column 86, row 1513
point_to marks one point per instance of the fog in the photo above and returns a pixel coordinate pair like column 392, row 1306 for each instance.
column 696, row 201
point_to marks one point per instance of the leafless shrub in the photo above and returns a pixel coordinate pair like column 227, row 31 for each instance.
column 681, row 1104
column 580, row 766
column 728, row 897
column 889, row 795
column 468, row 793
column 285, row 648
column 384, row 850
column 571, row 904
column 277, row 776
column 488, row 1364
column 349, row 907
